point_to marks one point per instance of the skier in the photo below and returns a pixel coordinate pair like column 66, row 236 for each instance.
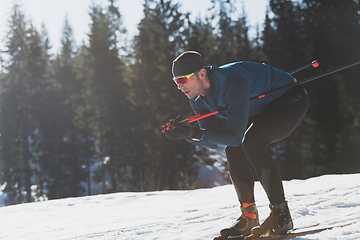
column 251, row 128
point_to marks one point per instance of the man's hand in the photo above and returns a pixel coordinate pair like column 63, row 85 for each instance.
column 181, row 131
column 169, row 130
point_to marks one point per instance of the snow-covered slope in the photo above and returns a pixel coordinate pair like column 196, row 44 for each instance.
column 197, row 214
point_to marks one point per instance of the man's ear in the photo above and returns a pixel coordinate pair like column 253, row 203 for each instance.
column 202, row 73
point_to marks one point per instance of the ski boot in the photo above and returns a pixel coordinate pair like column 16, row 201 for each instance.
column 279, row 222
column 243, row 225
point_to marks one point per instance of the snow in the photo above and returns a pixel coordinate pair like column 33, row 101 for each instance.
column 196, row 214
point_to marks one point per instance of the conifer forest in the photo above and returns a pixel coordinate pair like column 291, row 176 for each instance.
column 98, row 107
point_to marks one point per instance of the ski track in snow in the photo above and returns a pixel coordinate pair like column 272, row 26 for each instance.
column 197, row 214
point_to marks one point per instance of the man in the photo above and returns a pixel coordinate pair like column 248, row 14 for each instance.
column 251, row 128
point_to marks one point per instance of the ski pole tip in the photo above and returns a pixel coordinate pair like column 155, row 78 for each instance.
column 315, row 63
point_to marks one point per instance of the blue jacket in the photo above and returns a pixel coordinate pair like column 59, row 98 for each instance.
column 231, row 86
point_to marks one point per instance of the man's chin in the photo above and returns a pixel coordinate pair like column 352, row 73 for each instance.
column 189, row 96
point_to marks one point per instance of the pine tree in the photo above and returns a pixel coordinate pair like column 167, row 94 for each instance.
column 22, row 98
column 297, row 33
column 160, row 162
column 14, row 146
column 227, row 42
column 336, row 44
column 284, row 36
column 60, row 140
column 200, row 37
column 108, row 98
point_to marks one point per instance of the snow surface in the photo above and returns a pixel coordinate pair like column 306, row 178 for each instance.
column 196, row 214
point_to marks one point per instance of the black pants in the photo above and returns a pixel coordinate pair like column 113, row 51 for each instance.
column 278, row 119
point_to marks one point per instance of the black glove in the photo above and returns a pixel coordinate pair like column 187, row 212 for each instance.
column 187, row 131
column 168, row 129
column 181, row 131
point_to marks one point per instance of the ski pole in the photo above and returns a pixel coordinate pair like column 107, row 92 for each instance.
column 191, row 119
column 314, row 63
column 199, row 116
column 306, row 80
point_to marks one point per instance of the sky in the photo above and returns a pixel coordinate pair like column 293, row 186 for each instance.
column 53, row 12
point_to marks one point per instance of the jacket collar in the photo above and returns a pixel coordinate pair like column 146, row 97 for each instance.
column 208, row 92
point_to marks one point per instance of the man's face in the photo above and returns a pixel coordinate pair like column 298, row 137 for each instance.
column 192, row 88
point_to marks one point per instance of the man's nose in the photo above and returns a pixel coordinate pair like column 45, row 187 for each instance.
column 180, row 86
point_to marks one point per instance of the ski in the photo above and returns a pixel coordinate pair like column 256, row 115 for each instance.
column 298, row 234
column 243, row 237
column 293, row 234
column 307, row 226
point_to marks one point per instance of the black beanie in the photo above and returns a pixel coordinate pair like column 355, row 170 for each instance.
column 188, row 62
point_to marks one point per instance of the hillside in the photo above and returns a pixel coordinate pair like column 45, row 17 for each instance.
column 197, row 214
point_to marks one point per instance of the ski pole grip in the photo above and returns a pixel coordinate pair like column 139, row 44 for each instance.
column 165, row 127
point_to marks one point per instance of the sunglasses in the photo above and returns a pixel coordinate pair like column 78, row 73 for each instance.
column 183, row 79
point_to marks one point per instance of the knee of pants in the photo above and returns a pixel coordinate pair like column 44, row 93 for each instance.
column 235, row 154
column 254, row 145
column 251, row 141
column 229, row 150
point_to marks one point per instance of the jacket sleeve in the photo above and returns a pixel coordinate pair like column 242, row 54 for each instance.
column 208, row 123
column 236, row 96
